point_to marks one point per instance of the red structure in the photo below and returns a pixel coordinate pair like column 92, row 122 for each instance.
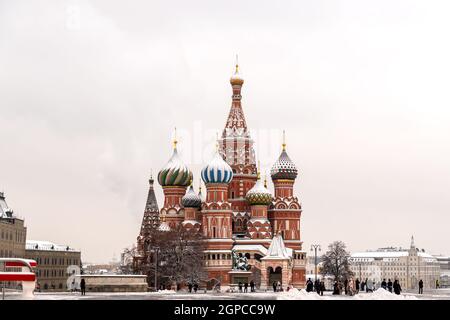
column 251, row 233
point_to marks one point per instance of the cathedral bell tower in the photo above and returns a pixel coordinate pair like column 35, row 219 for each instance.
column 285, row 211
column 236, row 148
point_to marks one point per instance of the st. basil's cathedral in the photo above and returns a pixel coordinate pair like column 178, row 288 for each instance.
column 239, row 216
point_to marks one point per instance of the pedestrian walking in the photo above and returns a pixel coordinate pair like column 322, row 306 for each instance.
column 279, row 288
column 252, row 286
column 274, row 285
column 346, row 286
column 351, row 287
column 321, row 287
column 246, row 287
column 195, row 287
column 83, row 287
column 240, row 287
column 357, row 285
column 389, row 285
column 420, row 286
column 336, row 288
column 384, row 284
column 397, row 287
column 309, row 285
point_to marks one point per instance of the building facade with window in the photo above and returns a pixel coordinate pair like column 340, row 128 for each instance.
column 408, row 266
column 13, row 232
column 444, row 263
column 55, row 264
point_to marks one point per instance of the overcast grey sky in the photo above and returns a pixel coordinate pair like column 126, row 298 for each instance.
column 90, row 92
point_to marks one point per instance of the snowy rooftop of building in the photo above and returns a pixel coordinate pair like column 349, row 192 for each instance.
column 5, row 211
column 277, row 249
column 47, row 246
column 251, row 247
column 388, row 254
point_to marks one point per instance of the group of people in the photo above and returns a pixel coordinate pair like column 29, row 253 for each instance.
column 192, row 286
column 391, row 286
column 318, row 286
column 276, row 285
column 243, row 287
column 349, row 287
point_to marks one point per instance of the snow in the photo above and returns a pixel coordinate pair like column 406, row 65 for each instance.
column 382, row 294
column 47, row 245
column 295, row 294
column 387, row 254
column 250, row 247
column 277, row 249
column 166, row 291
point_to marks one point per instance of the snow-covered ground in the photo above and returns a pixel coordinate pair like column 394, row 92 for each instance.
column 380, row 294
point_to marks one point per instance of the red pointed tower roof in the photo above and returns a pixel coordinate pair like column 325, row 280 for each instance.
column 236, row 143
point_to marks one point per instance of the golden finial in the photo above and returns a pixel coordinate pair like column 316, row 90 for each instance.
column 237, row 65
column 175, row 140
column 265, row 181
column 284, row 140
column 200, row 185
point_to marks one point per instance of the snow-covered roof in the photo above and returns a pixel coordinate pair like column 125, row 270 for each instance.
column 251, row 247
column 193, row 222
column 277, row 249
column 47, row 246
column 261, row 220
column 164, row 227
column 5, row 211
column 387, row 254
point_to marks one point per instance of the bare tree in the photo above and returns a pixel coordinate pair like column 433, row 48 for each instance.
column 176, row 256
column 182, row 256
column 128, row 258
column 336, row 261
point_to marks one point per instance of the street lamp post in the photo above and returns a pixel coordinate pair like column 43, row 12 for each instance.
column 156, row 249
column 315, row 247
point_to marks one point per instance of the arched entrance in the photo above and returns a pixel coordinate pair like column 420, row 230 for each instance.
column 275, row 276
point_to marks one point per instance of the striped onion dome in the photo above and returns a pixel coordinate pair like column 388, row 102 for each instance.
column 191, row 199
column 259, row 195
column 217, row 171
column 175, row 173
column 284, row 168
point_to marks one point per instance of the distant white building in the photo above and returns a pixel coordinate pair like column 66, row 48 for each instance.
column 444, row 263
column 406, row 265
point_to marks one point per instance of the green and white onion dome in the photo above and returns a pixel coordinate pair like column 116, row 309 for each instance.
column 191, row 199
column 217, row 171
column 259, row 195
column 175, row 173
column 284, row 168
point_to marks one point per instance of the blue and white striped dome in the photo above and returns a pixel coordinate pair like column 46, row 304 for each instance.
column 217, row 171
